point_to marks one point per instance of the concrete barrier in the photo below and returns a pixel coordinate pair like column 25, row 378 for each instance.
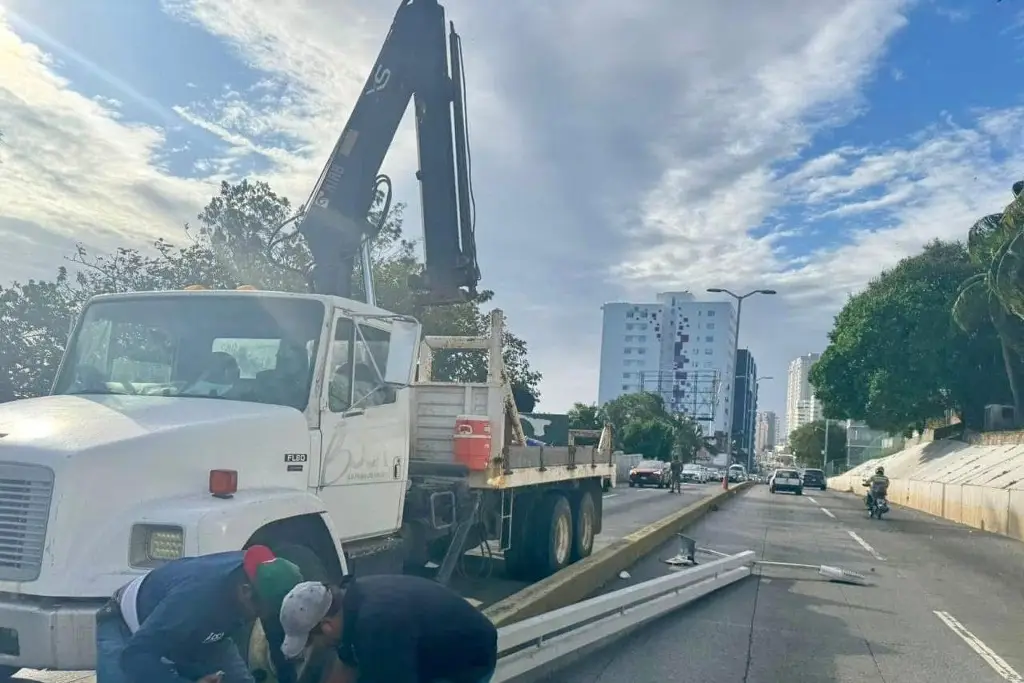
column 981, row 486
column 583, row 579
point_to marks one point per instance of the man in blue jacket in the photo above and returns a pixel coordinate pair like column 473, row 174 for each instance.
column 173, row 625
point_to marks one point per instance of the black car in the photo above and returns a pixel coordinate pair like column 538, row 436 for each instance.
column 815, row 479
column 650, row 473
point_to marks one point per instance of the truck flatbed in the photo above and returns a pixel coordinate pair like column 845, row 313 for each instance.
column 437, row 405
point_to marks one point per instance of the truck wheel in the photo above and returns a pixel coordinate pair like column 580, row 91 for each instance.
column 7, row 672
column 308, row 562
column 584, row 519
column 552, row 532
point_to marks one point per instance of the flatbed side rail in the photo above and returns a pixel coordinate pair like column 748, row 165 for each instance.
column 504, row 414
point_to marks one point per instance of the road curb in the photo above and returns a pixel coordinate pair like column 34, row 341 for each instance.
column 581, row 580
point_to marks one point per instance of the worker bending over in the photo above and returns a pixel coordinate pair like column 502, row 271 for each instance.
column 174, row 624
column 391, row 629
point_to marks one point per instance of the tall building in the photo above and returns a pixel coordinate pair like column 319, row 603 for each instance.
column 744, row 406
column 678, row 347
column 766, row 432
column 801, row 405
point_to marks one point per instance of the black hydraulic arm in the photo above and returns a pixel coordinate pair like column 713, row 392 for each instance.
column 413, row 64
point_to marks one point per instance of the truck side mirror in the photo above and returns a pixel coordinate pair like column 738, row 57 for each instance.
column 405, row 339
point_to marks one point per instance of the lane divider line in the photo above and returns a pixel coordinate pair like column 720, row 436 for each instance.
column 867, row 546
column 813, row 502
column 997, row 663
column 828, row 512
column 610, row 495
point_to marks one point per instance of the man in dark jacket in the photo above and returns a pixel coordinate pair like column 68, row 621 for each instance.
column 392, row 629
column 174, row 624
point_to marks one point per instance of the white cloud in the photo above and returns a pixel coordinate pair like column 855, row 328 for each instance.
column 72, row 170
column 620, row 151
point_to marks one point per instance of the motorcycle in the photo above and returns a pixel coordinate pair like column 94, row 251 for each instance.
column 878, row 506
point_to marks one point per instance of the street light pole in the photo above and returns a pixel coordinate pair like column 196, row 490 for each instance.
column 749, row 433
column 735, row 350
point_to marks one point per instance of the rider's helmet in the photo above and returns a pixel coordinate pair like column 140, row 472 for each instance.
column 880, row 471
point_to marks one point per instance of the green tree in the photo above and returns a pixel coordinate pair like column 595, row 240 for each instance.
column 585, row 416
column 236, row 240
column 994, row 296
column 895, row 358
column 689, row 437
column 655, row 439
column 807, row 443
column 644, row 409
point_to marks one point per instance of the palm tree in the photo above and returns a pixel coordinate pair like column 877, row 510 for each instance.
column 995, row 244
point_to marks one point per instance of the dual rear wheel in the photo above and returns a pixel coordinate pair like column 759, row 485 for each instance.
column 551, row 534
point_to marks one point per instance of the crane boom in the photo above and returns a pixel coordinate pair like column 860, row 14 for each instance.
column 413, row 64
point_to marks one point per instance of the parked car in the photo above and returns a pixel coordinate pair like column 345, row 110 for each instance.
column 650, row 473
column 786, row 480
column 815, row 479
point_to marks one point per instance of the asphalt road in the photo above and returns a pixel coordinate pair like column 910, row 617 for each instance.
column 946, row 602
column 625, row 510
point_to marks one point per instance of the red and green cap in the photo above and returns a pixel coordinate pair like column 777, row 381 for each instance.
column 271, row 576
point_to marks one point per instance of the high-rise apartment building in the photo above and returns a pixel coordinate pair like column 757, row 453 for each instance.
column 678, row 347
column 766, row 431
column 744, row 406
column 801, row 405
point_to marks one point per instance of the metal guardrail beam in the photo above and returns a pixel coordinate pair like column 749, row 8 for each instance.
column 536, row 642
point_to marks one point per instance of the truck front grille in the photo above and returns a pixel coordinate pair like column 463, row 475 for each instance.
column 25, row 494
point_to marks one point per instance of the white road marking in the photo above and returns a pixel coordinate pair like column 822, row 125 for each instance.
column 828, row 512
column 813, row 502
column 864, row 544
column 610, row 495
column 997, row 663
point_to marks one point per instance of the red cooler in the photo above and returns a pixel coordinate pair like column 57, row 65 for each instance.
column 472, row 441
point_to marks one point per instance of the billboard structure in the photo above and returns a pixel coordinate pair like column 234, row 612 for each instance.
column 693, row 393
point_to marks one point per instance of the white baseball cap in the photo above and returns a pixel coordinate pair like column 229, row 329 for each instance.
column 302, row 609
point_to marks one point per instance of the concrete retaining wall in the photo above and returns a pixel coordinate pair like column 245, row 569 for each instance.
column 981, row 486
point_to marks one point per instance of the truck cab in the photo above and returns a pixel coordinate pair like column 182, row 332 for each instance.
column 192, row 422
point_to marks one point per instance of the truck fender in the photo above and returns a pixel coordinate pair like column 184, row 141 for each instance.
column 228, row 524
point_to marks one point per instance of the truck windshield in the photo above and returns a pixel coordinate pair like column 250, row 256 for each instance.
column 242, row 348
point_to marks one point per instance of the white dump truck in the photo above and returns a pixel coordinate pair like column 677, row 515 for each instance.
column 193, row 422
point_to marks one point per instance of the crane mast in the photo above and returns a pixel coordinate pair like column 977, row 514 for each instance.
column 420, row 61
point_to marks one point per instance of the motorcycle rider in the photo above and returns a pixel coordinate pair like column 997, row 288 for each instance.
column 878, row 484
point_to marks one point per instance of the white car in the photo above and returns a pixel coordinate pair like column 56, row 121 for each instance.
column 694, row 474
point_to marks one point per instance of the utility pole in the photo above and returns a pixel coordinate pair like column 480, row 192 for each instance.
column 735, row 349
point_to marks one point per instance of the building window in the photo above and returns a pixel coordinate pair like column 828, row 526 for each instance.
column 641, row 351
column 711, row 326
column 642, row 338
column 629, row 337
column 629, row 326
column 711, row 314
column 629, row 316
column 709, row 339
column 625, row 375
column 625, row 387
column 708, row 352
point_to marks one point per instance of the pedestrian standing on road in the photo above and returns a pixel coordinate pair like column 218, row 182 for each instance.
column 391, row 629
column 677, row 475
column 174, row 624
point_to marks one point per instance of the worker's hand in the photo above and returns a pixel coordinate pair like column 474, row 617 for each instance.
column 212, row 678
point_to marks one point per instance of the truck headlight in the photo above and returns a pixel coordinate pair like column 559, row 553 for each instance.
column 152, row 545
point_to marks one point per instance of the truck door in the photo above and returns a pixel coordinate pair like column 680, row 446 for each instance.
column 365, row 433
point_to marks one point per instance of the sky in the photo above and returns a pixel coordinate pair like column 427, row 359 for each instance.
column 620, row 151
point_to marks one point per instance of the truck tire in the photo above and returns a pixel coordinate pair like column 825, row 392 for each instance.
column 308, row 562
column 552, row 531
column 584, row 517
column 7, row 672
